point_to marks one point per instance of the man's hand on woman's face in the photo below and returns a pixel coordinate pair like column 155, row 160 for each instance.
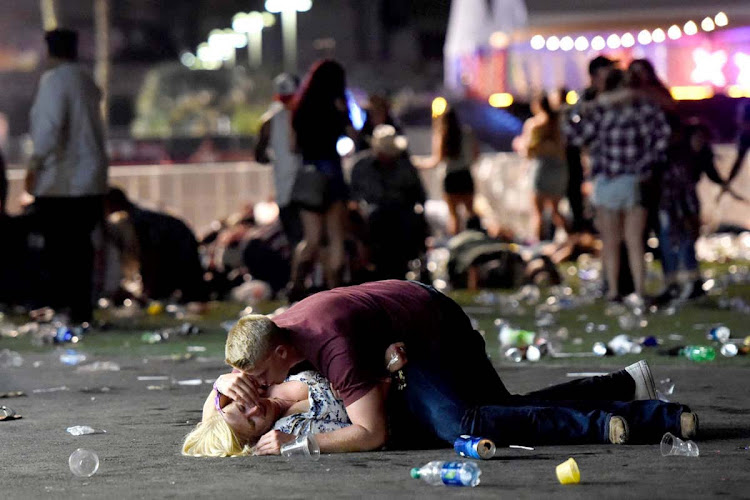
column 271, row 442
column 240, row 387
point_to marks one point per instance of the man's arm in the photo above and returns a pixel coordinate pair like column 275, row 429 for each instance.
column 264, row 137
column 367, row 432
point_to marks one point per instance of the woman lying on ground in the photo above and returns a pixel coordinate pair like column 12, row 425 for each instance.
column 304, row 404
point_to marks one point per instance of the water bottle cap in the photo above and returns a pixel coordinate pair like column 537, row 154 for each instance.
column 415, row 473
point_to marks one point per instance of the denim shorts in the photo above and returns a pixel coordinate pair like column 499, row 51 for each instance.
column 616, row 193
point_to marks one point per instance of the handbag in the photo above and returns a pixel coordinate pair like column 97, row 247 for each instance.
column 310, row 190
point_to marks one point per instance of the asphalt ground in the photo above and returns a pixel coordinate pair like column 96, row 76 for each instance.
column 145, row 422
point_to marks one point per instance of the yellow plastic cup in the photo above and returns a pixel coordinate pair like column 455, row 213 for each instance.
column 568, row 473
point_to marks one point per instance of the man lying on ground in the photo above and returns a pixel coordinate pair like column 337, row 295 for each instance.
column 448, row 388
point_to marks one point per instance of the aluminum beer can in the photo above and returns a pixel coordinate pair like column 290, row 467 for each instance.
column 474, row 447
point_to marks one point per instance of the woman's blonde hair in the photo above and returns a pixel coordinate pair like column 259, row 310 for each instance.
column 214, row 438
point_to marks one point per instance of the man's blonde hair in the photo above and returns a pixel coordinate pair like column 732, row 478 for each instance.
column 214, row 438
column 251, row 340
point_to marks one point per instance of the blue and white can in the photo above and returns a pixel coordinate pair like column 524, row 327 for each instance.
column 474, row 447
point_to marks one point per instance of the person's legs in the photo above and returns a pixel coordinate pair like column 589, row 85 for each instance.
column 291, row 224
column 557, row 217
column 538, row 202
column 308, row 249
column 648, row 419
column 575, row 179
column 452, row 201
column 434, row 400
column 635, row 222
column 335, row 224
column 610, row 227
column 615, row 386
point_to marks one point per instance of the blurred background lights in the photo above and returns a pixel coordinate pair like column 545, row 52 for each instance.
column 690, row 28
column 188, row 59
column 499, row 40
column 553, row 43
column 345, row 145
column 658, row 35
column 674, row 32
column 708, row 24
column 613, row 41
column 627, row 40
column 439, row 105
column 567, row 43
column 277, row 6
column 581, row 43
column 571, row 97
column 598, row 43
column 721, row 19
column 501, row 100
column 537, row 42
column 644, row 37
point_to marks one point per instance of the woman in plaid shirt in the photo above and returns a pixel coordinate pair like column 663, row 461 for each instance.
column 627, row 134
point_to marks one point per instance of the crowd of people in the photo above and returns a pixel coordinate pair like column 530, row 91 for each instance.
column 623, row 156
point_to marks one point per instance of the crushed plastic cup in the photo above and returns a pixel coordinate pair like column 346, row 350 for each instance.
column 304, row 447
column 6, row 412
column 83, row 463
column 671, row 445
column 80, row 430
column 568, row 473
column 10, row 359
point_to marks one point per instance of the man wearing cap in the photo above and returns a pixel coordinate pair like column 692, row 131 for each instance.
column 67, row 173
column 389, row 193
column 275, row 135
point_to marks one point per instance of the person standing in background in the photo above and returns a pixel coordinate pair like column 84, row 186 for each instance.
column 743, row 139
column 541, row 141
column 276, row 136
column 455, row 147
column 320, row 117
column 67, row 173
column 3, row 186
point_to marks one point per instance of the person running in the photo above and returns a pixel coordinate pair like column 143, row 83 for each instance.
column 320, row 116
column 275, row 138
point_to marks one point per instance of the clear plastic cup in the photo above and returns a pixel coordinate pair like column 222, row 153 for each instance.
column 568, row 473
column 83, row 463
column 304, row 447
column 6, row 412
column 671, row 445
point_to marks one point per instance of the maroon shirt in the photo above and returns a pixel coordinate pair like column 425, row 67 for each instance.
column 344, row 332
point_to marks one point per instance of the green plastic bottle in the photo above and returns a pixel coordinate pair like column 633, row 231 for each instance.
column 699, row 353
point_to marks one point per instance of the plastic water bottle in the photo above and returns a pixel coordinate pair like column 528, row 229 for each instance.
column 448, row 473
column 719, row 334
column 699, row 353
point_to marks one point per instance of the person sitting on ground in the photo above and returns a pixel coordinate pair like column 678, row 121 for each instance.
column 343, row 333
column 387, row 190
column 158, row 247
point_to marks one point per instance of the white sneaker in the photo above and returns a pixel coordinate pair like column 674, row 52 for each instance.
column 644, row 382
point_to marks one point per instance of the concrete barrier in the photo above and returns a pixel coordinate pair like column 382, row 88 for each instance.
column 201, row 193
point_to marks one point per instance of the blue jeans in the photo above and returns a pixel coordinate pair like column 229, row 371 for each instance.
column 675, row 253
column 455, row 390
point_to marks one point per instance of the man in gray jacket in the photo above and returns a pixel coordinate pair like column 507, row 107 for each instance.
column 67, row 174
